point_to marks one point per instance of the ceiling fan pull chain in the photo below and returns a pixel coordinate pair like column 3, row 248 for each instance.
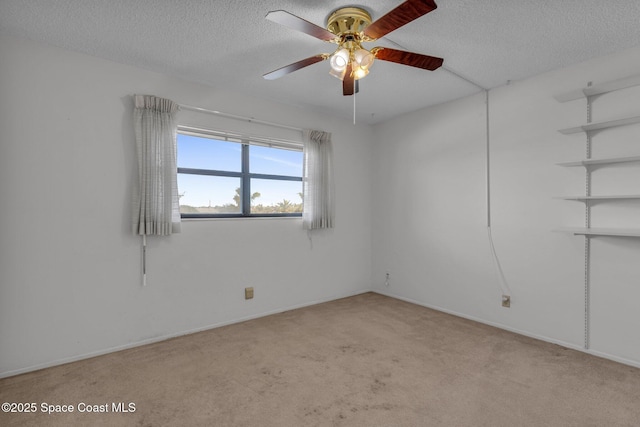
column 354, row 107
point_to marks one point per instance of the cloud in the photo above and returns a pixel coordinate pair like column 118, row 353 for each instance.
column 280, row 161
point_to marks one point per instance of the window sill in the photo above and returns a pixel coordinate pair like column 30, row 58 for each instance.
column 242, row 218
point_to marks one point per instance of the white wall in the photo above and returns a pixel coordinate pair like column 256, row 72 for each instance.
column 69, row 267
column 430, row 222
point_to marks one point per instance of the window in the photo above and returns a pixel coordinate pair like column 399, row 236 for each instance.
column 227, row 175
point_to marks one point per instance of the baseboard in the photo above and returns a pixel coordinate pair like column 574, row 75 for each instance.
column 571, row 346
column 175, row 335
column 307, row 304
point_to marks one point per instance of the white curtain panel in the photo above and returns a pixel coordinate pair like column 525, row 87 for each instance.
column 319, row 210
column 155, row 197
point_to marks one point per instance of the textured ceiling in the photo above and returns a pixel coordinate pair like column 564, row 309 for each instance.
column 229, row 44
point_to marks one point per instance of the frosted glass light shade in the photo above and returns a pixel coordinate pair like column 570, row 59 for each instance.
column 363, row 58
column 359, row 73
column 338, row 74
column 339, row 60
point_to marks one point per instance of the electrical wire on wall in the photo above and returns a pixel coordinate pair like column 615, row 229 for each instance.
column 504, row 285
column 506, row 291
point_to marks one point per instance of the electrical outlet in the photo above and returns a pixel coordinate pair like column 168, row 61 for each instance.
column 506, row 301
column 248, row 293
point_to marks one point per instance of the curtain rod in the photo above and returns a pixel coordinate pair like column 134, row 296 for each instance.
column 236, row 117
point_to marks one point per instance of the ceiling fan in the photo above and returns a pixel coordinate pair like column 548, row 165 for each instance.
column 349, row 27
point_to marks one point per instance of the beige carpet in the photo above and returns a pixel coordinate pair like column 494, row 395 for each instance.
column 362, row 361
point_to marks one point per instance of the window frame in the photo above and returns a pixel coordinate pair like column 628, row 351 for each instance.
column 245, row 174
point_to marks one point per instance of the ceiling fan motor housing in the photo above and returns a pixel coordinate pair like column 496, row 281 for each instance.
column 348, row 21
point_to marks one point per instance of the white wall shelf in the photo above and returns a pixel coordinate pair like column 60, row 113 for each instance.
column 601, row 125
column 618, row 197
column 588, row 231
column 594, row 162
column 599, row 89
column 615, row 232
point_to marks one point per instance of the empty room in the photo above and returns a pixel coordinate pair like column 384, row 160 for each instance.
column 297, row 213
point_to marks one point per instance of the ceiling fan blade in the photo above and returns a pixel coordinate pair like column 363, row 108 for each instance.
column 348, row 83
column 276, row 74
column 296, row 23
column 401, row 15
column 425, row 62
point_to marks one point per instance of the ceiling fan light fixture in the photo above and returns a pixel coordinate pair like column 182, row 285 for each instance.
column 363, row 58
column 359, row 73
column 339, row 60
column 338, row 74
